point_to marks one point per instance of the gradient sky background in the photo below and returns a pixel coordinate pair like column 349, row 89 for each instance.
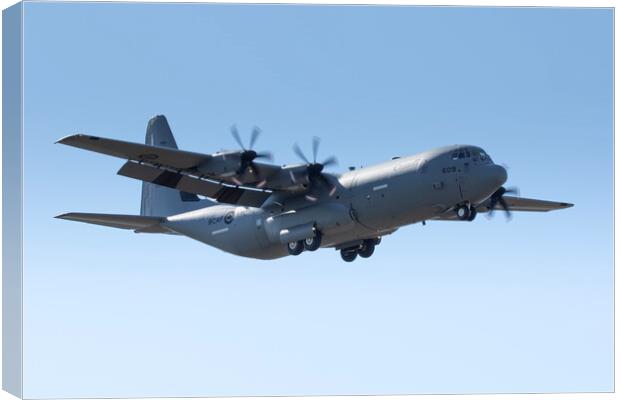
column 449, row 307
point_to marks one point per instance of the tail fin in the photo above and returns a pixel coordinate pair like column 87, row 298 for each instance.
column 160, row 201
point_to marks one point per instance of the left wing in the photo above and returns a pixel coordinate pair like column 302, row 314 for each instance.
column 170, row 157
column 514, row 204
column 203, row 174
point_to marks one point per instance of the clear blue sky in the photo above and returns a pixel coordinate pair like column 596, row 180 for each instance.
column 488, row 306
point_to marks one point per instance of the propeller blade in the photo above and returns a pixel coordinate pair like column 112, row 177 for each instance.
column 316, row 141
column 332, row 188
column 498, row 197
column 255, row 134
column 265, row 154
column 513, row 190
column 235, row 134
column 332, row 191
column 300, row 153
column 505, row 207
column 330, row 161
column 242, row 169
column 492, row 205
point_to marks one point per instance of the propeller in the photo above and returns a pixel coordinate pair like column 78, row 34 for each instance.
column 314, row 168
column 248, row 155
column 498, row 198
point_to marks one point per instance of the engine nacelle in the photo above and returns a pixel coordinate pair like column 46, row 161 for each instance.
column 222, row 165
column 292, row 178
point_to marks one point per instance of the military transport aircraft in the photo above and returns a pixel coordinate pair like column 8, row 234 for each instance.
column 229, row 201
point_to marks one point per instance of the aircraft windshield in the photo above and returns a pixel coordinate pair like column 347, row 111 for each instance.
column 475, row 154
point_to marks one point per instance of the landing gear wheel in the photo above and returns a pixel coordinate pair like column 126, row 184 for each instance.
column 295, row 248
column 367, row 248
column 348, row 254
column 463, row 213
column 472, row 214
column 313, row 243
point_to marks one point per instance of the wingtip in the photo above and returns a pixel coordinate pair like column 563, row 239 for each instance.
column 67, row 139
column 62, row 139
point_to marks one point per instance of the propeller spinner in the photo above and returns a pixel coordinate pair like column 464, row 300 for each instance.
column 248, row 155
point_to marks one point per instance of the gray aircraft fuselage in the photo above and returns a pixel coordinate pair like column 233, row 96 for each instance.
column 368, row 203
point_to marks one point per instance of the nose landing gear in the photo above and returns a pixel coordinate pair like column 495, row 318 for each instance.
column 466, row 212
column 472, row 214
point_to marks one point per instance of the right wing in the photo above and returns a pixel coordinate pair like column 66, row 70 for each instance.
column 525, row 204
column 514, row 204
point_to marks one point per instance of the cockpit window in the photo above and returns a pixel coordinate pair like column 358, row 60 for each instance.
column 461, row 154
column 479, row 154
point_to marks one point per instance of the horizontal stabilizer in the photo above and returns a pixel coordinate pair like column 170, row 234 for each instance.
column 133, row 222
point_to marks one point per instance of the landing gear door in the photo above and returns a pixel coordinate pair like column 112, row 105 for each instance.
column 463, row 177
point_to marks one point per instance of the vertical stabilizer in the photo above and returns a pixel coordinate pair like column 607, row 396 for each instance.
column 160, row 201
column 158, row 133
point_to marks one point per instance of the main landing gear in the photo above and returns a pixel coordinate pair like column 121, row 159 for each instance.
column 311, row 244
column 465, row 212
column 364, row 250
column 295, row 248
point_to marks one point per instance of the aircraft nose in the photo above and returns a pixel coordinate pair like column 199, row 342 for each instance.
column 499, row 175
